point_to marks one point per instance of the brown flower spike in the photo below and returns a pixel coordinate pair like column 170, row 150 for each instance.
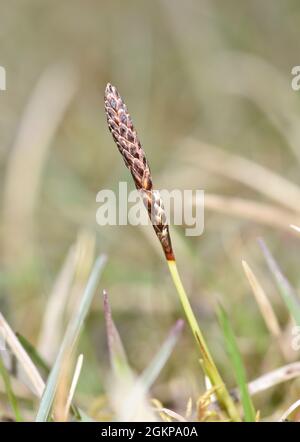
column 125, row 136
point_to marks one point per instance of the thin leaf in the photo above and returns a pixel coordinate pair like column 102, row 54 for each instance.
column 37, row 384
column 263, row 302
column 237, row 363
column 49, row 100
column 207, row 362
column 149, row 375
column 290, row 410
column 117, row 352
column 287, row 292
column 268, row 380
column 33, row 353
column 73, row 384
column 41, row 363
column 69, row 341
column 52, row 322
column 9, row 391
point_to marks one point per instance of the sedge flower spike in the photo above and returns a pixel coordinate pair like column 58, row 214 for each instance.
column 123, row 132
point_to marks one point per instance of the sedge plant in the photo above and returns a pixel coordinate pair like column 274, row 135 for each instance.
column 125, row 136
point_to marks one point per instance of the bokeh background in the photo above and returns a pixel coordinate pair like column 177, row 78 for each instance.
column 208, row 85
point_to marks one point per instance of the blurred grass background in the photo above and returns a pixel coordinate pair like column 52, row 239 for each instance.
column 216, row 72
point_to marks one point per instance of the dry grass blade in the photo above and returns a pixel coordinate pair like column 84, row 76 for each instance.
column 281, row 108
column 36, row 382
column 42, row 116
column 159, row 406
column 242, row 170
column 189, row 408
column 74, row 383
column 52, row 324
column 267, row 381
column 262, row 213
column 170, row 413
column 59, row 403
column 65, row 294
column 274, row 377
column 290, row 410
column 262, row 302
column 287, row 292
column 85, row 257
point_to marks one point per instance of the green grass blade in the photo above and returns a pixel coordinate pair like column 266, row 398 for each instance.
column 287, row 292
column 240, row 374
column 9, row 391
column 208, row 364
column 150, row 374
column 42, row 364
column 69, row 340
column 33, row 353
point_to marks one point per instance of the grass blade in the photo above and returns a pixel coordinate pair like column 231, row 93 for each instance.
column 263, row 302
column 49, row 100
column 74, row 384
column 52, row 323
column 238, row 366
column 69, row 340
column 244, row 208
column 209, row 367
column 42, row 364
column 36, row 382
column 287, row 292
column 117, row 352
column 290, row 410
column 33, row 353
column 10, row 394
column 151, row 373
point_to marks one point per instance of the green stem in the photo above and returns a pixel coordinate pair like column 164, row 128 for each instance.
column 208, row 364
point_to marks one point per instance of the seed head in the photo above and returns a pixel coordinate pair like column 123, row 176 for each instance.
column 125, row 136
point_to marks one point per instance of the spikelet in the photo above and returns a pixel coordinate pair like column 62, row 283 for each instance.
column 125, row 136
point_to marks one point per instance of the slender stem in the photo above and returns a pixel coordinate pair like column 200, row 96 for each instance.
column 208, row 364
